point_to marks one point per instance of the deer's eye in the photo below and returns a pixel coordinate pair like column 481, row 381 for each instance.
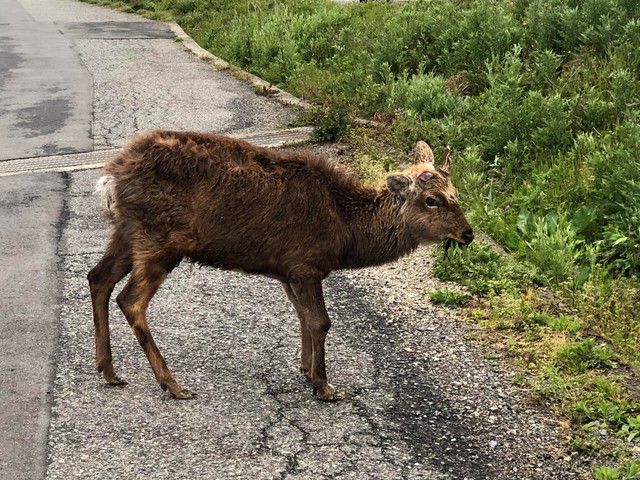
column 431, row 202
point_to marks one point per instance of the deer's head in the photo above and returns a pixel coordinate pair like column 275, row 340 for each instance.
column 431, row 208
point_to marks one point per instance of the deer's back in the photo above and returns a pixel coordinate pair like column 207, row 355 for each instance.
column 226, row 203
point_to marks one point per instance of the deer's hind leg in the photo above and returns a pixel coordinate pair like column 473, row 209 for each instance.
column 113, row 267
column 149, row 271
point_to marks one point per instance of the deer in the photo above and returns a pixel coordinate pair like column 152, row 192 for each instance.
column 288, row 215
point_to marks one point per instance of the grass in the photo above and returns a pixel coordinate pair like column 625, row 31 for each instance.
column 573, row 361
column 449, row 298
column 585, row 355
column 540, row 100
column 627, row 471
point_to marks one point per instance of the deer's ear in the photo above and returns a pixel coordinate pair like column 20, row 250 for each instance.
column 446, row 160
column 400, row 184
column 422, row 153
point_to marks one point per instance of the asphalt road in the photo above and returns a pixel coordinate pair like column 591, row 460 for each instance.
column 75, row 77
column 45, row 93
column 424, row 401
column 30, row 214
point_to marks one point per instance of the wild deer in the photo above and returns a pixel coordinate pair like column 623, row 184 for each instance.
column 287, row 215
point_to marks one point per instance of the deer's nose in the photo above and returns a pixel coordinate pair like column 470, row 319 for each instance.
column 467, row 236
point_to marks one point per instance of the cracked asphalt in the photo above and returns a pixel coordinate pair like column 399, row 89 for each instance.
column 424, row 401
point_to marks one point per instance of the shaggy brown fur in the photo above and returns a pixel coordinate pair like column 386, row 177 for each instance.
column 288, row 215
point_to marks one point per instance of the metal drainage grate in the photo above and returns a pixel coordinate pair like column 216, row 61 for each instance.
column 57, row 163
column 116, row 30
column 97, row 158
column 275, row 138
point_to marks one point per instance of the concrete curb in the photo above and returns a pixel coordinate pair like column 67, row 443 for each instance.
column 285, row 98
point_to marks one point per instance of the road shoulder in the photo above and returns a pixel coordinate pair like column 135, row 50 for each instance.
column 31, row 222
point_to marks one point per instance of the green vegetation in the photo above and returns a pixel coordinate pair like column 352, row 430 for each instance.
column 330, row 123
column 483, row 270
column 627, row 471
column 540, row 100
column 555, row 336
column 449, row 298
column 584, row 355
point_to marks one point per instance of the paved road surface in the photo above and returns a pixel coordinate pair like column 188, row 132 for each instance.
column 423, row 403
column 45, row 93
column 30, row 215
column 74, row 77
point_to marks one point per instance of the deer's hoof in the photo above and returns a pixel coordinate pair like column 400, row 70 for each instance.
column 330, row 394
column 183, row 394
column 115, row 381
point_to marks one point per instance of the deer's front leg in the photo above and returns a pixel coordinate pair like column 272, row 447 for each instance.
column 305, row 334
column 311, row 304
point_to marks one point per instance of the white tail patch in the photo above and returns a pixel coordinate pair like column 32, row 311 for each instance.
column 106, row 188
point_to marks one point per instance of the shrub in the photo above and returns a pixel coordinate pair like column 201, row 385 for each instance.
column 551, row 245
column 585, row 355
column 424, row 97
column 331, row 124
column 631, row 430
column 561, row 323
column 564, row 26
column 616, row 196
column 483, row 270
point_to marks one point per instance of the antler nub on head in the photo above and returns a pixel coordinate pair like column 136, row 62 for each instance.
column 423, row 154
column 446, row 160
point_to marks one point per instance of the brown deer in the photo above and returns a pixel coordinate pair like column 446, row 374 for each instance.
column 287, row 215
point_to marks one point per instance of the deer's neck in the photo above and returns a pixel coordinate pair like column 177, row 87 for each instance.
column 378, row 231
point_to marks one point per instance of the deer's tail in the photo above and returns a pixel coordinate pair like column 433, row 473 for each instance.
column 106, row 188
